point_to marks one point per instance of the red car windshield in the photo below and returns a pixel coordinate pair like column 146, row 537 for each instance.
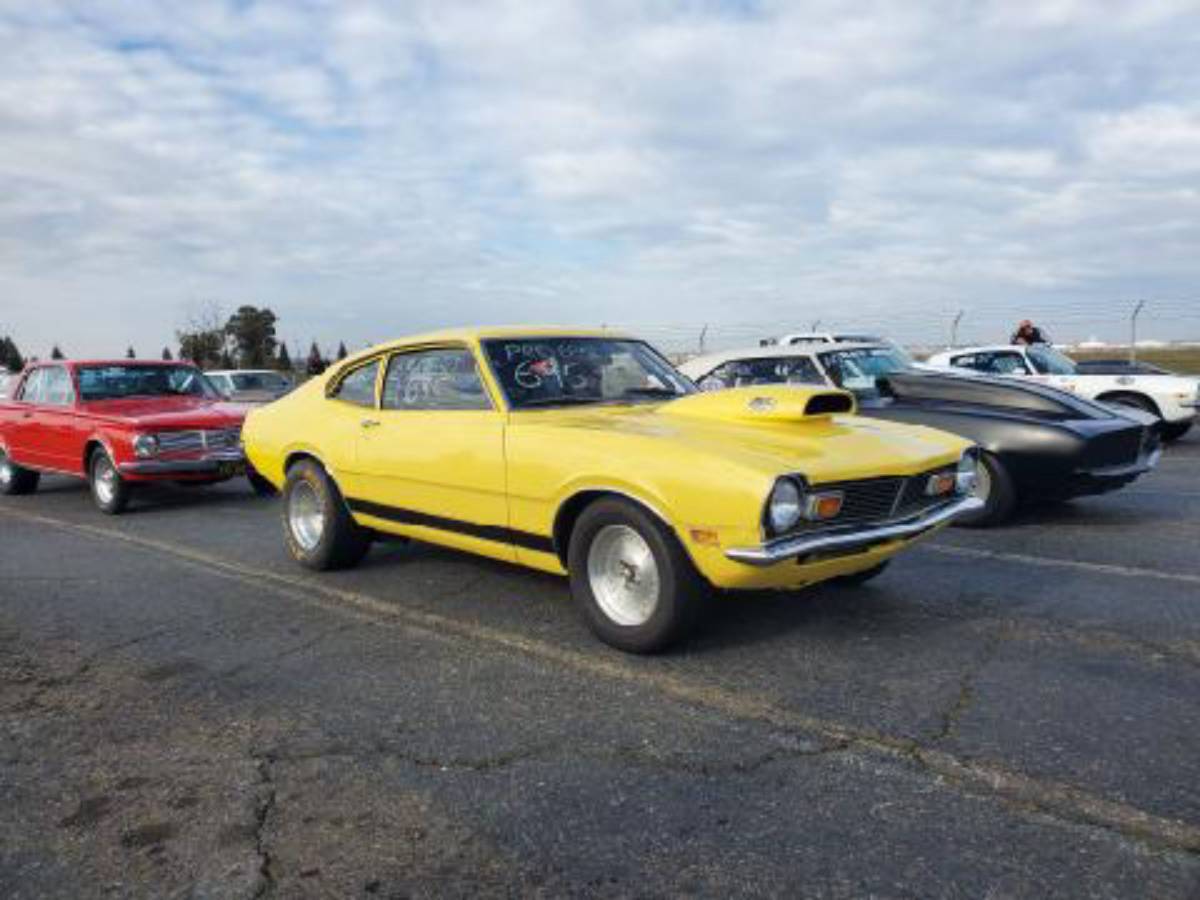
column 116, row 381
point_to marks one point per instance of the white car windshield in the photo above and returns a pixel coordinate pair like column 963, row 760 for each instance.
column 1049, row 361
column 857, row 370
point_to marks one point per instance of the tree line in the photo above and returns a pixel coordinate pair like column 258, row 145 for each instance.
column 246, row 340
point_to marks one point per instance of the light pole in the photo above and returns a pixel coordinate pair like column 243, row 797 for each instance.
column 1133, row 330
column 954, row 329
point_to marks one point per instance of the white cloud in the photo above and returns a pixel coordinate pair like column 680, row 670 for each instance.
column 369, row 169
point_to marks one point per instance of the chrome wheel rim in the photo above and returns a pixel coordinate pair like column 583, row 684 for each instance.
column 5, row 471
column 983, row 481
column 306, row 516
column 104, row 482
column 623, row 575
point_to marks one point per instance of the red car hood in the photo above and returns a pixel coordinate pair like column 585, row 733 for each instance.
column 170, row 412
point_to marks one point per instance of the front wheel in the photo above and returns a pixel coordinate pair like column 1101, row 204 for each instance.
column 110, row 491
column 632, row 580
column 318, row 528
column 994, row 486
column 1173, row 431
column 14, row 479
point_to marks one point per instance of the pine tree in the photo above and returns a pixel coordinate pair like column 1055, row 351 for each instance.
column 130, row 353
column 166, row 355
column 10, row 356
column 342, row 354
column 56, row 353
column 316, row 363
column 284, row 362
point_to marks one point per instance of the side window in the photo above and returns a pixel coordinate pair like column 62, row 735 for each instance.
column 31, row 390
column 57, row 389
column 359, row 386
column 966, row 362
column 434, row 379
column 1007, row 364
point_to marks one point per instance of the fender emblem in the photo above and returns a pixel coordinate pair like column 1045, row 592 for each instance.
column 762, row 404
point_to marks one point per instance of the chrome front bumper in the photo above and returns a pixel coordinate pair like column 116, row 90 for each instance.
column 222, row 463
column 807, row 544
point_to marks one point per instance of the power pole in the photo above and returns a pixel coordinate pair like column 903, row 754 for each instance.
column 816, row 323
column 1133, row 330
column 954, row 329
column 703, row 332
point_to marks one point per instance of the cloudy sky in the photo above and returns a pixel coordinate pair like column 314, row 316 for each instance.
column 368, row 170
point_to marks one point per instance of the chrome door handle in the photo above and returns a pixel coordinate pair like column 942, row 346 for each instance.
column 370, row 423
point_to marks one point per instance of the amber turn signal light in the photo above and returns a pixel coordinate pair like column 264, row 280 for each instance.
column 820, row 507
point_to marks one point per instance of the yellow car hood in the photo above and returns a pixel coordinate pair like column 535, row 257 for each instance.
column 772, row 430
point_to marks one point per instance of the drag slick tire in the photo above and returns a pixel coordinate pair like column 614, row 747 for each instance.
column 15, row 480
column 994, row 486
column 631, row 579
column 318, row 528
column 110, row 491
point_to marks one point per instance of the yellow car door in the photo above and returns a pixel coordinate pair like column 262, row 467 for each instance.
column 430, row 461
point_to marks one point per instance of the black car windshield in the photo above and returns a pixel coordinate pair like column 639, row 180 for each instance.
column 116, row 381
column 857, row 370
column 564, row 371
column 1049, row 361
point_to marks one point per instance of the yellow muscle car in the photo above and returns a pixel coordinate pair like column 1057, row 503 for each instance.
column 587, row 454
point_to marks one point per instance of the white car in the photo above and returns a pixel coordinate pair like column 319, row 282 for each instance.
column 827, row 337
column 1173, row 398
column 250, row 385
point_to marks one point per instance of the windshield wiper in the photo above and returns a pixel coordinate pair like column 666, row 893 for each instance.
column 557, row 401
column 652, row 393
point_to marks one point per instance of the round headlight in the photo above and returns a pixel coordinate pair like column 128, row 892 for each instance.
column 964, row 476
column 784, row 507
column 145, row 445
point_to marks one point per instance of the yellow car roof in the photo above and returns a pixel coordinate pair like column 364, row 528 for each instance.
column 468, row 335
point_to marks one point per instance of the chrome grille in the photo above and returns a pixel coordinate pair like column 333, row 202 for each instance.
column 868, row 500
column 872, row 501
column 207, row 441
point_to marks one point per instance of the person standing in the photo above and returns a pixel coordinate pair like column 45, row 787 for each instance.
column 1028, row 333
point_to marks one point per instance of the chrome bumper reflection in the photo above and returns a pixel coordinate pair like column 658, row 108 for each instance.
column 805, row 545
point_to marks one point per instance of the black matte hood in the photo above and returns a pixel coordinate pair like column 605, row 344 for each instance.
column 997, row 393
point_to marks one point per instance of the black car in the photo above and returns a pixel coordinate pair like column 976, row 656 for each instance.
column 1038, row 443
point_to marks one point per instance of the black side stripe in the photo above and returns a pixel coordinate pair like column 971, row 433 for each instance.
column 497, row 533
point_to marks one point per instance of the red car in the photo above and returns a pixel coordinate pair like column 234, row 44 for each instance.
column 119, row 424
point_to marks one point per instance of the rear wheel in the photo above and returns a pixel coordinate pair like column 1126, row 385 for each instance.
column 994, row 486
column 110, row 491
column 632, row 580
column 318, row 528
column 14, row 479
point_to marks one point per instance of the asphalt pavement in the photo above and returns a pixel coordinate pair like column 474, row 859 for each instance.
column 1004, row 713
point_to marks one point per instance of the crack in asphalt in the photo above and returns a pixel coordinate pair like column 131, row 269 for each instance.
column 966, row 691
column 1065, row 803
column 266, row 805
